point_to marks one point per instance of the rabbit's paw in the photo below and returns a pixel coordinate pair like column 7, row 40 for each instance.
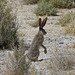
column 45, row 51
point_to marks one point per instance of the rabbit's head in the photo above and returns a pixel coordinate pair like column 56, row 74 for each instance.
column 41, row 25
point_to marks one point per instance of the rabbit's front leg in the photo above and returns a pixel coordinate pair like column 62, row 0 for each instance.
column 45, row 51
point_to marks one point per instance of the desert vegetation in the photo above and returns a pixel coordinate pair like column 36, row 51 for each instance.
column 16, row 63
column 45, row 8
column 35, row 24
column 55, row 3
column 48, row 7
column 60, row 59
column 8, row 28
column 68, row 21
column 62, row 3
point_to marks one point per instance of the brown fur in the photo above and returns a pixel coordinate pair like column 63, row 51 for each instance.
column 37, row 42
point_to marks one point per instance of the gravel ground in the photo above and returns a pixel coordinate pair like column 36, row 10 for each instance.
column 60, row 56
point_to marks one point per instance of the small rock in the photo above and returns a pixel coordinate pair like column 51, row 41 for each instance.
column 61, row 42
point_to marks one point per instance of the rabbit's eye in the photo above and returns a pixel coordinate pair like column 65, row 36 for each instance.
column 44, row 32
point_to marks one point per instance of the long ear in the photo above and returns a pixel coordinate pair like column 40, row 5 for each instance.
column 44, row 22
column 40, row 23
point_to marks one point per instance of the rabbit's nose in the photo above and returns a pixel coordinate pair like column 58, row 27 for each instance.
column 45, row 33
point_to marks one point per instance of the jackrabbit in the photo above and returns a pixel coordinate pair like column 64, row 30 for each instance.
column 33, row 52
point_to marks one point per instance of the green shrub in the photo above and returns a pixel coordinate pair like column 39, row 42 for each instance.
column 8, row 29
column 31, row 1
column 45, row 8
column 62, row 3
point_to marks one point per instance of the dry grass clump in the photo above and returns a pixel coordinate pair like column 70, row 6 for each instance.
column 35, row 24
column 70, row 73
column 70, row 29
column 62, row 63
column 73, row 45
column 16, row 63
column 68, row 18
column 68, row 21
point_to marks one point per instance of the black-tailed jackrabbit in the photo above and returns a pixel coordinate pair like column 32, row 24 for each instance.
column 33, row 52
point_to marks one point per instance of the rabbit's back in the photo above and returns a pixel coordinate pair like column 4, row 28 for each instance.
column 33, row 52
